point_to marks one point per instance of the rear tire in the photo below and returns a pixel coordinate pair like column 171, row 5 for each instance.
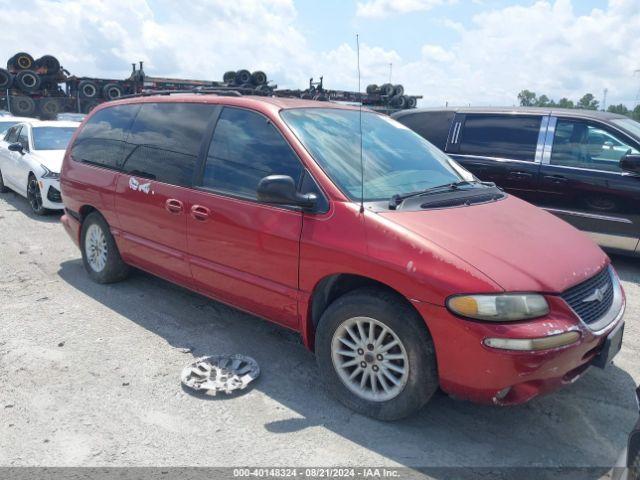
column 100, row 254
column 395, row 394
column 27, row 80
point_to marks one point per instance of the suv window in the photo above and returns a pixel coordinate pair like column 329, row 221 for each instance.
column 434, row 126
column 101, row 140
column 513, row 136
column 583, row 145
column 165, row 140
column 245, row 148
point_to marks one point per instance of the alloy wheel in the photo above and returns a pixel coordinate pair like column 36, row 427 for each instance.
column 95, row 245
column 34, row 196
column 370, row 359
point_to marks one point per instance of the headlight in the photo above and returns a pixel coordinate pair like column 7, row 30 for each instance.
column 499, row 308
column 48, row 173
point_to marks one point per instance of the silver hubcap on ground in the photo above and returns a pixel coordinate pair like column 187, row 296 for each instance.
column 370, row 359
column 95, row 245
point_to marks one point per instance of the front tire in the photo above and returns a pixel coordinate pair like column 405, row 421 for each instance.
column 375, row 354
column 100, row 254
column 34, row 195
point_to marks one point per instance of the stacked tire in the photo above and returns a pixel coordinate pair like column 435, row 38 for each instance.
column 393, row 95
column 244, row 78
column 34, row 83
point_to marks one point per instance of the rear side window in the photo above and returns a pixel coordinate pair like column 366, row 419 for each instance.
column 513, row 137
column 101, row 140
column 245, row 148
column 433, row 126
column 165, row 140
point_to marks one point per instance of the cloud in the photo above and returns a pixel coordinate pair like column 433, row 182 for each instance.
column 385, row 8
column 543, row 46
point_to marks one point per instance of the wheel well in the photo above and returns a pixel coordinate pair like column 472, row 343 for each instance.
column 86, row 210
column 333, row 287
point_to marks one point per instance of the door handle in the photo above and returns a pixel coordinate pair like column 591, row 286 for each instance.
column 519, row 175
column 557, row 179
column 198, row 212
column 173, row 206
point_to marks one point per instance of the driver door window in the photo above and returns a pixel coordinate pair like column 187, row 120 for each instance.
column 583, row 145
column 23, row 139
column 12, row 135
column 245, row 148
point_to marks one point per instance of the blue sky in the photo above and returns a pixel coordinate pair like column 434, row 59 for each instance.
column 329, row 23
column 461, row 52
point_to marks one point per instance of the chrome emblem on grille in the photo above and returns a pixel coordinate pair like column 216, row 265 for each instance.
column 597, row 295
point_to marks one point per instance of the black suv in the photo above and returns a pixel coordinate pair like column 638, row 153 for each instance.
column 583, row 166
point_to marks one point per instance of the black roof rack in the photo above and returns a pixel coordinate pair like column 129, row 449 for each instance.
column 224, row 91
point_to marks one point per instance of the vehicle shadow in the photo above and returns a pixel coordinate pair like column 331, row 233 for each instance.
column 583, row 425
column 21, row 204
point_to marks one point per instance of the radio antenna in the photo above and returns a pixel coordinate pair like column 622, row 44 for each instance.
column 360, row 122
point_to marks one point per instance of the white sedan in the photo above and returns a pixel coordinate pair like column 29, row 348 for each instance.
column 31, row 156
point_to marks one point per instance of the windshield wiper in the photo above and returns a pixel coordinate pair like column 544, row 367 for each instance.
column 397, row 199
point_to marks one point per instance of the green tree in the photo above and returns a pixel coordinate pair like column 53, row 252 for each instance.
column 635, row 113
column 564, row 102
column 621, row 109
column 527, row 98
column 588, row 102
column 543, row 101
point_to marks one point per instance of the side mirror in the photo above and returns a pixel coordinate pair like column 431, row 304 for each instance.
column 281, row 190
column 16, row 147
column 630, row 163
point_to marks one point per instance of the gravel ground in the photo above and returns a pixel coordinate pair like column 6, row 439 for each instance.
column 90, row 376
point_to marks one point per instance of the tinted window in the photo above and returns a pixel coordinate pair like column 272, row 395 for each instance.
column 101, row 140
column 52, row 138
column 582, row 145
column 513, row 136
column 12, row 134
column 396, row 160
column 434, row 126
column 23, row 138
column 245, row 148
column 165, row 140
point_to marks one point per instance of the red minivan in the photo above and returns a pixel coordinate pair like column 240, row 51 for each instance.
column 401, row 270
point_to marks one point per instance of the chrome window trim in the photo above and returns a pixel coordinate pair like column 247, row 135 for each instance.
column 542, row 136
column 548, row 142
column 456, row 133
column 615, row 312
column 593, row 216
column 497, row 159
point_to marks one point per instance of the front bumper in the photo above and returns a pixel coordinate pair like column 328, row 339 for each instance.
column 50, row 191
column 72, row 226
column 470, row 370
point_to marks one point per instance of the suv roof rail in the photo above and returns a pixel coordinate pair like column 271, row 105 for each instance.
column 224, row 91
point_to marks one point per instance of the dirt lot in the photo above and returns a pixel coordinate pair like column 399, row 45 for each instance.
column 90, row 376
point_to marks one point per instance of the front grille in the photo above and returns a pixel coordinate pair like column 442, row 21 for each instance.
column 53, row 194
column 591, row 311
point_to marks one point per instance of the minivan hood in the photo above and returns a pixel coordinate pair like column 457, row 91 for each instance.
column 52, row 159
column 519, row 246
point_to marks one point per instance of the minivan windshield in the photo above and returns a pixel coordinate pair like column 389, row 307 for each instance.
column 52, row 138
column 396, row 160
